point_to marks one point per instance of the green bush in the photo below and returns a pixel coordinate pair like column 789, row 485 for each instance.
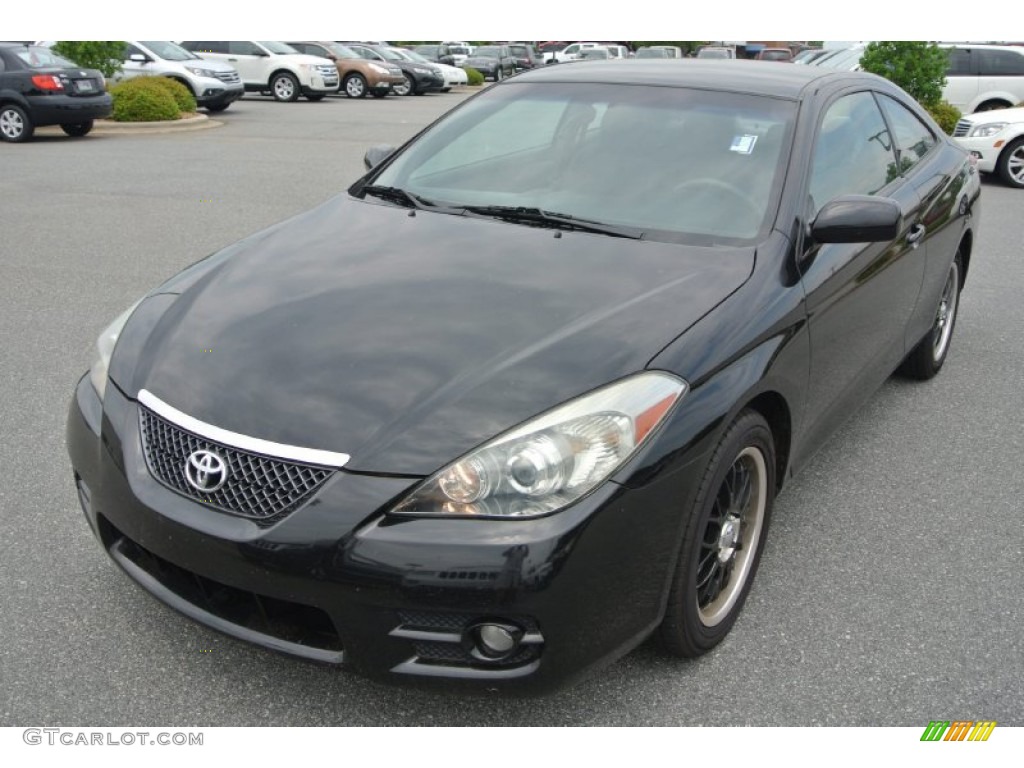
column 143, row 100
column 180, row 93
column 475, row 78
column 917, row 67
column 945, row 114
column 104, row 55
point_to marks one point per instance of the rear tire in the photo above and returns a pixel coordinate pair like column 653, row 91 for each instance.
column 218, row 108
column 1011, row 163
column 993, row 104
column 926, row 359
column 15, row 124
column 77, row 129
column 724, row 536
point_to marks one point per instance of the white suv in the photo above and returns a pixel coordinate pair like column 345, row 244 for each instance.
column 982, row 77
column 272, row 67
column 215, row 84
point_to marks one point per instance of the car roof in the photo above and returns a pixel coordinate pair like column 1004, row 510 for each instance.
column 710, row 74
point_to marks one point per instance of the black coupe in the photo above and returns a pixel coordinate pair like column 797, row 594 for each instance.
column 526, row 392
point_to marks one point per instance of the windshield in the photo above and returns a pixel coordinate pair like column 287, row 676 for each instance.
column 168, row 51
column 412, row 55
column 38, row 57
column 389, row 55
column 343, row 52
column 488, row 50
column 651, row 53
column 275, row 47
column 712, row 53
column 458, row 50
column 680, row 164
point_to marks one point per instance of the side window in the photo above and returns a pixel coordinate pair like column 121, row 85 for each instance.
column 572, row 49
column 999, row 63
column 913, row 138
column 853, row 154
column 243, row 48
column 959, row 61
column 130, row 50
column 303, row 48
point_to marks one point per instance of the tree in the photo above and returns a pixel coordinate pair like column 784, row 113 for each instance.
column 104, row 55
column 917, row 67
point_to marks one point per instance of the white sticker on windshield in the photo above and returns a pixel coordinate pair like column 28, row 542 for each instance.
column 743, row 144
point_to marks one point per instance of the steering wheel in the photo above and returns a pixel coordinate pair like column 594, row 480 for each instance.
column 755, row 210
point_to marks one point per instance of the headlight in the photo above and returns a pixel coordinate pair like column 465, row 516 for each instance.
column 199, row 72
column 105, row 348
column 379, row 69
column 421, row 70
column 553, row 460
column 989, row 129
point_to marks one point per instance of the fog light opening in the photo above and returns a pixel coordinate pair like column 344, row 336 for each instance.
column 493, row 641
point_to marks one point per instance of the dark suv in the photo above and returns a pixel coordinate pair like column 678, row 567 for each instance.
column 38, row 87
column 524, row 56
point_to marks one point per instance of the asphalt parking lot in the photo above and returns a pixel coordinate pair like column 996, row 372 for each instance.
column 891, row 590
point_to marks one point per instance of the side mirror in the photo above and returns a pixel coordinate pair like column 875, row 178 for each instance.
column 376, row 155
column 857, row 219
column 141, row 58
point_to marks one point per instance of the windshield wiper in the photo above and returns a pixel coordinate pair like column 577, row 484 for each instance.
column 553, row 219
column 400, row 196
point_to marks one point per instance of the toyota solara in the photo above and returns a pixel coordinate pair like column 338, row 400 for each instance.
column 525, row 393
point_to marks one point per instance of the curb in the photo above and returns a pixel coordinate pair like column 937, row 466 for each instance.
column 111, row 128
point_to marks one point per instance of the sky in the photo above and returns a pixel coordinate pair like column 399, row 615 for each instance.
column 518, row 20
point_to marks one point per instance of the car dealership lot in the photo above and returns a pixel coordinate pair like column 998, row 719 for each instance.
column 890, row 592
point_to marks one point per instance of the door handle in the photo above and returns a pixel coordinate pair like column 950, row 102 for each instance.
column 915, row 234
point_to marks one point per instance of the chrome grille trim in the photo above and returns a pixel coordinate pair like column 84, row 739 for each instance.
column 243, row 442
column 963, row 127
column 228, row 77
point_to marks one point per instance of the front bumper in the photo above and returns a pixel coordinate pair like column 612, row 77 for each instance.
column 211, row 92
column 985, row 149
column 340, row 581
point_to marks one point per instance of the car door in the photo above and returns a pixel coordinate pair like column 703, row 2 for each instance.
column 859, row 296
column 129, row 68
column 250, row 61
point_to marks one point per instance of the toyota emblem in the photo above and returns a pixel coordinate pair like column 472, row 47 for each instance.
column 206, row 471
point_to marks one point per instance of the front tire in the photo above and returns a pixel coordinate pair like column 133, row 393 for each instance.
column 926, row 359
column 404, row 88
column 15, row 124
column 355, row 86
column 284, row 86
column 77, row 129
column 723, row 540
column 1011, row 163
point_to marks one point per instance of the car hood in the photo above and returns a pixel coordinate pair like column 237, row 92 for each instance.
column 1013, row 115
column 406, row 340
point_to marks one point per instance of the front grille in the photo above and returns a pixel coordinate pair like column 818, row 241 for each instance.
column 329, row 71
column 258, row 487
column 228, row 77
column 962, row 128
